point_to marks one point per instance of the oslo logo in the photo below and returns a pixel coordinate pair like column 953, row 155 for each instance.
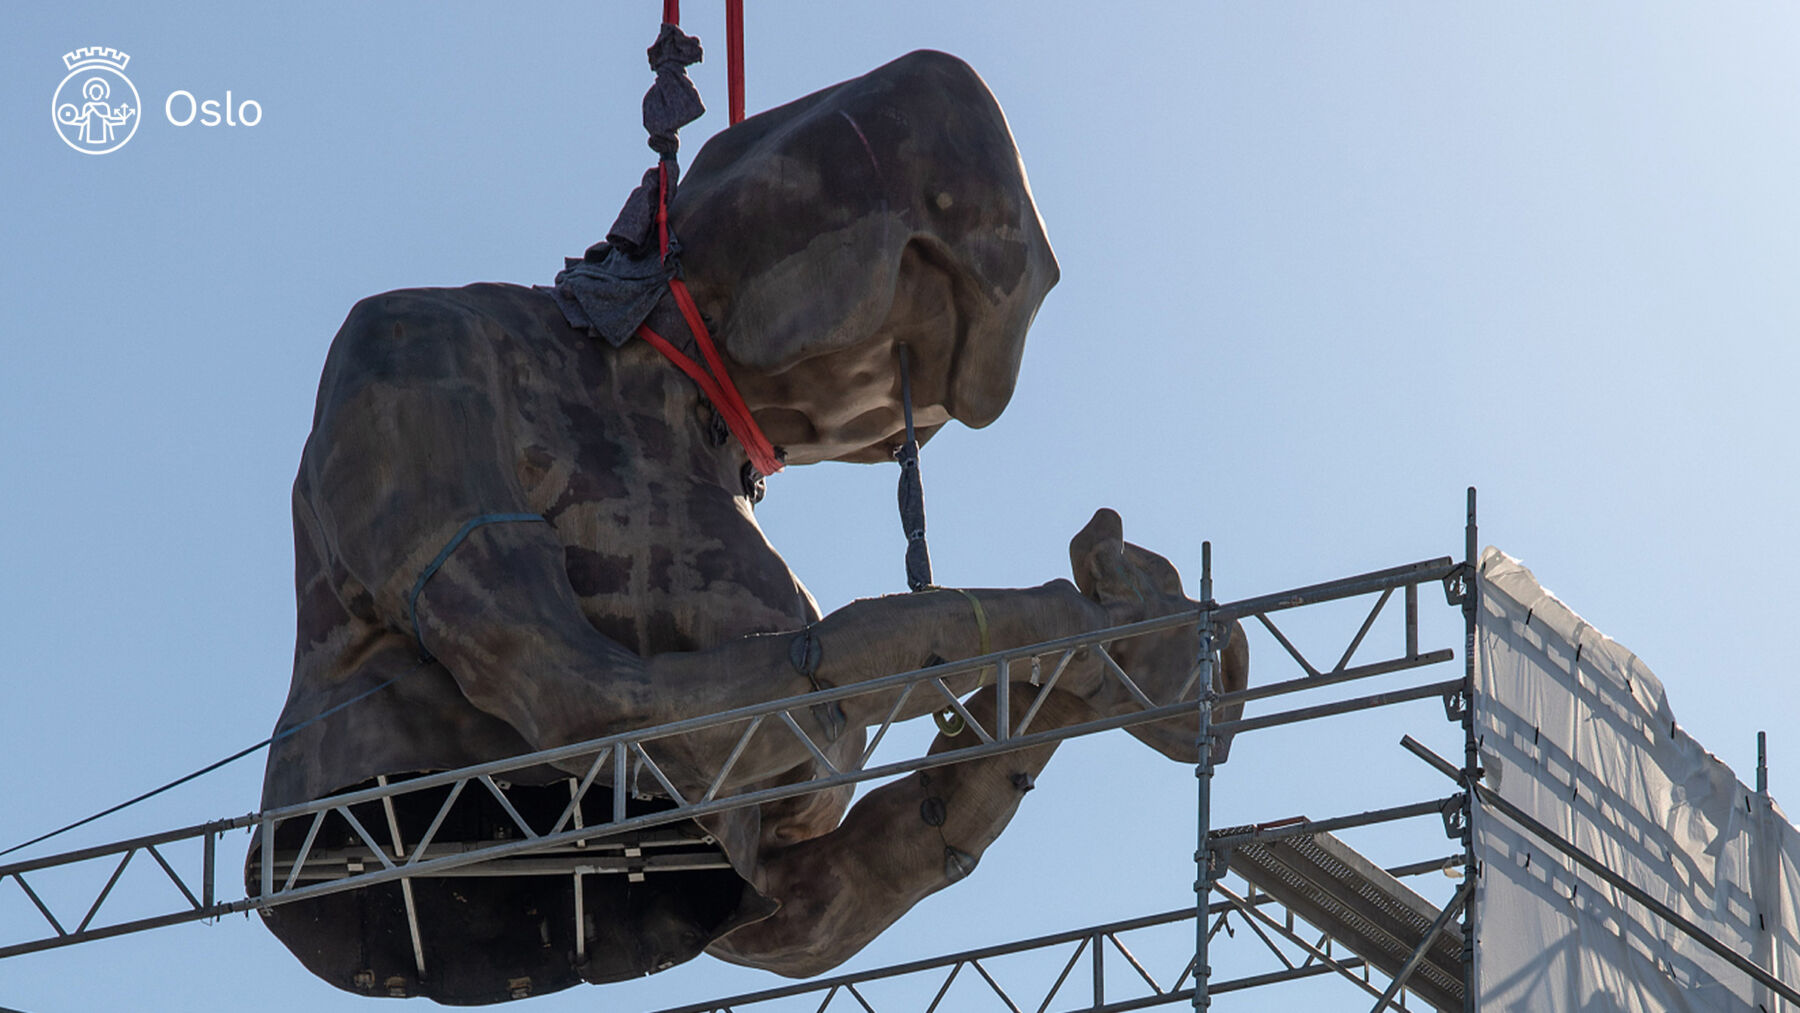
column 95, row 108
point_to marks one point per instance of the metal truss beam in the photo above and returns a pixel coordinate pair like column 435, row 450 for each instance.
column 1108, row 986
column 611, row 765
column 1317, row 954
column 938, row 973
column 199, row 907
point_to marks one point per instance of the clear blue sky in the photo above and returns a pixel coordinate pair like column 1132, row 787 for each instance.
column 1324, row 266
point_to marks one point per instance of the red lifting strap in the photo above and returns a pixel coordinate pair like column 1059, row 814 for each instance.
column 734, row 56
column 734, row 51
column 714, row 381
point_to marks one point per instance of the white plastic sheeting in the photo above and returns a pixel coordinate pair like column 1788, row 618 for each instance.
column 1576, row 731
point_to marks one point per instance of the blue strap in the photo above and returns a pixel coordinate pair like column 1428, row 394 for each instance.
column 412, row 598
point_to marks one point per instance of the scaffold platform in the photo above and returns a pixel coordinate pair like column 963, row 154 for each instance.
column 1363, row 907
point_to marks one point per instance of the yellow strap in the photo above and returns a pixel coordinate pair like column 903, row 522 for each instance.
column 950, row 723
column 980, row 622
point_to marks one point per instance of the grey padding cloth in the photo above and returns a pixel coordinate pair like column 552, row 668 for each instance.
column 672, row 102
column 615, row 285
column 609, row 293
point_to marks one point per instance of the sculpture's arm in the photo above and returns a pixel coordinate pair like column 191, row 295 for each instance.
column 505, row 623
column 501, row 617
column 875, row 637
column 412, row 441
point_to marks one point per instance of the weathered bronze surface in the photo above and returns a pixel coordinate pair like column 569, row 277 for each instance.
column 818, row 237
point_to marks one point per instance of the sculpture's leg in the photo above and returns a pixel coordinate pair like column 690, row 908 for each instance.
column 903, row 842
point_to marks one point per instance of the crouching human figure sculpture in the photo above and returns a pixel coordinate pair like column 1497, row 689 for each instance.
column 527, row 536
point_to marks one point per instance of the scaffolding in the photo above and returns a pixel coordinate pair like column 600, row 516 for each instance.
column 1365, row 926
column 620, row 769
column 1317, row 907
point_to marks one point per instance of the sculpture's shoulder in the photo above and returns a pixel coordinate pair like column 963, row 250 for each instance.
column 471, row 337
column 405, row 325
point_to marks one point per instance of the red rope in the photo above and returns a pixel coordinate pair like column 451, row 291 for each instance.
column 734, row 57
column 719, row 389
column 714, row 381
column 716, row 385
column 734, row 51
column 708, row 385
column 762, row 453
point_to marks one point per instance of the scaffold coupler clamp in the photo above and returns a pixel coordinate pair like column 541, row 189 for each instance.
column 1456, row 704
column 1455, row 812
column 1458, row 583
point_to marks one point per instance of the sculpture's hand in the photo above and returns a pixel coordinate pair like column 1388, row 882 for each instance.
column 1132, row 583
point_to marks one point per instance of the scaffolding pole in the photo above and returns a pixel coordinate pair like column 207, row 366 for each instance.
column 1203, row 855
column 1471, row 771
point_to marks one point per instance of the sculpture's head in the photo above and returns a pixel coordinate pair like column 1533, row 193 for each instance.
column 821, row 235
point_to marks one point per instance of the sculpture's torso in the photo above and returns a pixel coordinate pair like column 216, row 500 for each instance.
column 440, row 406
column 613, row 447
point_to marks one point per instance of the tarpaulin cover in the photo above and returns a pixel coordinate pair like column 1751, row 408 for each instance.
column 1576, row 731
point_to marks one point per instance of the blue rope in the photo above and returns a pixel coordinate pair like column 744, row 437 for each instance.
column 411, row 607
column 412, row 598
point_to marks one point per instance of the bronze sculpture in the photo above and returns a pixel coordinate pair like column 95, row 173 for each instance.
column 512, row 535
